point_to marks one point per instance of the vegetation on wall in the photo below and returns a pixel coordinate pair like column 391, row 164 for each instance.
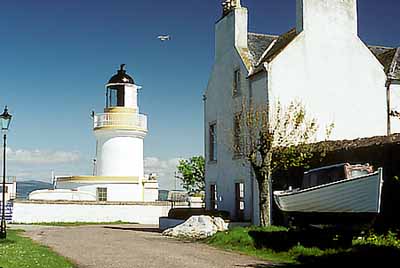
column 272, row 139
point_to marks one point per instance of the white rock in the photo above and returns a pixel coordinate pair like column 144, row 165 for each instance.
column 197, row 227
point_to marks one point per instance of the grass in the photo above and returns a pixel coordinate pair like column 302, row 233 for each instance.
column 21, row 252
column 310, row 248
column 72, row 224
column 238, row 239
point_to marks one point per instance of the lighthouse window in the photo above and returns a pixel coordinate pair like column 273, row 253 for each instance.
column 116, row 97
column 101, row 194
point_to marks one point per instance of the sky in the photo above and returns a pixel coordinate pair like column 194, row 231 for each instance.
column 56, row 56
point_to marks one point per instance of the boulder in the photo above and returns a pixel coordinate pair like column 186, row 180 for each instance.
column 198, row 227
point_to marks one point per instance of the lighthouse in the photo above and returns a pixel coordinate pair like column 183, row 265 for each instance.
column 118, row 172
column 120, row 130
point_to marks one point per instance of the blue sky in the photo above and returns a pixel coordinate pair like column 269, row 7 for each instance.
column 56, row 56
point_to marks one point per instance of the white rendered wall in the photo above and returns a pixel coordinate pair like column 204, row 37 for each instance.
column 115, row 191
column 47, row 212
column 317, row 16
column 395, row 105
column 119, row 154
column 220, row 107
column 333, row 73
column 150, row 191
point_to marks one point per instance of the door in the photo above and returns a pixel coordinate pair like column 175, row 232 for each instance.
column 239, row 201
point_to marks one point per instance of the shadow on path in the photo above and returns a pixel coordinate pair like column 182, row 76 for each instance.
column 359, row 256
column 136, row 229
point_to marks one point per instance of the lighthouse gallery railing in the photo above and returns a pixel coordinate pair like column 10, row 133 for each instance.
column 120, row 120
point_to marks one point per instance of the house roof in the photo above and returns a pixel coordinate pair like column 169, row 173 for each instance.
column 258, row 44
column 390, row 59
column 263, row 48
column 281, row 43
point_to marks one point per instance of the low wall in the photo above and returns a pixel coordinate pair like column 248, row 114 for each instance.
column 41, row 211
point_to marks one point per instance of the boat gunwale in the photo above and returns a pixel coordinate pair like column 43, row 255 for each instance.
column 293, row 192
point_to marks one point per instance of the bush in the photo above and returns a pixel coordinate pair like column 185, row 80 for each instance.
column 186, row 213
column 388, row 240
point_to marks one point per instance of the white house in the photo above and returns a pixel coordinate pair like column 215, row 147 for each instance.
column 119, row 173
column 321, row 62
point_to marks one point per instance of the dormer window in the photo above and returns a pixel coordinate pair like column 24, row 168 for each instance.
column 236, row 83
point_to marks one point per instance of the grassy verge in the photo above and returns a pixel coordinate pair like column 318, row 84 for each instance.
column 67, row 224
column 21, row 252
column 309, row 249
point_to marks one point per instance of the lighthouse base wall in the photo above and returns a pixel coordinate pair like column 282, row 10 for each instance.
column 119, row 154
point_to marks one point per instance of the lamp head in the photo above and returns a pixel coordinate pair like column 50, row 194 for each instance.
column 5, row 119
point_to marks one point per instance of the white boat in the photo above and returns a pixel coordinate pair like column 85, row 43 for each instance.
column 340, row 188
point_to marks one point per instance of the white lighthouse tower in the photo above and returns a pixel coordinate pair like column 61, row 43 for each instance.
column 120, row 130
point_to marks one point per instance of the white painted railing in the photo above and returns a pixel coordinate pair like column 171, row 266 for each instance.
column 120, row 120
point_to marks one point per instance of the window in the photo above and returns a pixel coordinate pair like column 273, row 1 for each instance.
column 115, row 96
column 236, row 83
column 213, row 197
column 237, row 135
column 213, row 142
column 101, row 194
column 6, row 189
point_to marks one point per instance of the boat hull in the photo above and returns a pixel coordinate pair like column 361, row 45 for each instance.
column 357, row 195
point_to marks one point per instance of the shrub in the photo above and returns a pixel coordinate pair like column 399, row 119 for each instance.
column 389, row 240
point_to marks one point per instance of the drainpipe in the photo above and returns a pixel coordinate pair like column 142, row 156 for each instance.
column 205, row 152
column 252, row 214
column 388, row 83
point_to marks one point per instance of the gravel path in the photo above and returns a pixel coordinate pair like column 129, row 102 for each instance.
column 127, row 246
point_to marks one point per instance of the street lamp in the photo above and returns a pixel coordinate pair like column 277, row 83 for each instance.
column 5, row 120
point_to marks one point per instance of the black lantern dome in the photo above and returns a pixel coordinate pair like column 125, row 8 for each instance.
column 121, row 77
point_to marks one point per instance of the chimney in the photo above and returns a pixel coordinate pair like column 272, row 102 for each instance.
column 327, row 16
column 231, row 29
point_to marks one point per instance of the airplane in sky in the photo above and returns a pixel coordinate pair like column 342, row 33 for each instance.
column 163, row 38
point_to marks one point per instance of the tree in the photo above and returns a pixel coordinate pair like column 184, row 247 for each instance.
column 191, row 173
column 273, row 138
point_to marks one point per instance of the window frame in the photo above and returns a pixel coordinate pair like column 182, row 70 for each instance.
column 237, row 143
column 102, row 194
column 213, row 142
column 237, row 81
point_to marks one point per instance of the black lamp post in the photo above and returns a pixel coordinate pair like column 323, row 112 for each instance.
column 5, row 120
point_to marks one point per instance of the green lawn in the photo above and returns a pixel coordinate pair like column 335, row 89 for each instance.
column 21, row 252
column 310, row 249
